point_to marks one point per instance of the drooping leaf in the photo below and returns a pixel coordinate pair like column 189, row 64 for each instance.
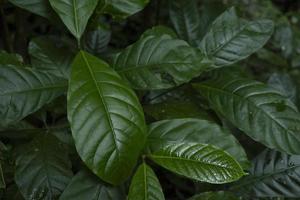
column 39, row 7
column 10, row 59
column 145, row 185
column 51, row 55
column 121, row 8
column 232, row 39
column 96, row 41
column 186, row 20
column 74, row 13
column 106, row 119
column 273, row 174
column 200, row 162
column 261, row 112
column 25, row 90
column 158, row 62
column 86, row 185
column 220, row 195
column 188, row 130
column 43, row 168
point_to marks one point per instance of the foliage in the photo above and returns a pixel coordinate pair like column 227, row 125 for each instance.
column 149, row 100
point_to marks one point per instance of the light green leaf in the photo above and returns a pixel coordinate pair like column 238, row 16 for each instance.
column 185, row 18
column 25, row 90
column 261, row 112
column 121, row 8
column 43, row 168
column 231, row 39
column 273, row 174
column 86, row 185
column 219, row 195
column 188, row 130
column 51, row 55
column 145, row 185
column 39, row 7
column 200, row 162
column 74, row 13
column 106, row 119
column 158, row 62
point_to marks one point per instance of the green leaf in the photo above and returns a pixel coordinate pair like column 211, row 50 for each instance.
column 158, row 62
column 10, row 59
column 121, row 8
column 43, row 168
column 273, row 174
column 39, row 7
column 200, row 162
column 263, row 113
column 2, row 180
column 85, row 185
column 188, row 130
column 158, row 31
column 51, row 55
column 106, row 119
column 231, row 39
column 96, row 41
column 219, row 195
column 25, row 90
column 145, row 185
column 74, row 13
column 185, row 18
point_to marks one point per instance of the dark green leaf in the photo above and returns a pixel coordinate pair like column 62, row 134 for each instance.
column 50, row 55
column 200, row 162
column 158, row 31
column 2, row 180
column 220, row 195
column 156, row 62
column 121, row 8
column 187, row 130
column 106, row 119
column 74, row 13
column 145, row 185
column 43, row 169
column 263, row 113
column 85, row 185
column 10, row 59
column 273, row 174
column 25, row 90
column 231, row 39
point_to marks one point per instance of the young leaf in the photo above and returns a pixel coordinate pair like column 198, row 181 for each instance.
column 158, row 62
column 74, row 13
column 85, row 185
column 231, row 39
column 25, row 90
column 261, row 112
column 51, row 55
column 185, row 18
column 166, row 132
column 273, row 174
column 121, row 8
column 145, row 185
column 43, row 169
column 220, row 195
column 39, row 7
column 106, row 119
column 200, row 162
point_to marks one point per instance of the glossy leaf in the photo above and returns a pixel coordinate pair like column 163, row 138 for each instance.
column 43, row 168
column 220, row 195
column 86, row 185
column 273, row 174
column 106, row 119
column 74, row 13
column 232, row 39
column 156, row 62
column 145, row 185
column 25, row 90
column 188, row 130
column 261, row 112
column 121, row 8
column 200, row 162
column 39, row 7
column 186, row 20
column 51, row 55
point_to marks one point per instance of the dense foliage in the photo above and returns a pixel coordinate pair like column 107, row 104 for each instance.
column 149, row 100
